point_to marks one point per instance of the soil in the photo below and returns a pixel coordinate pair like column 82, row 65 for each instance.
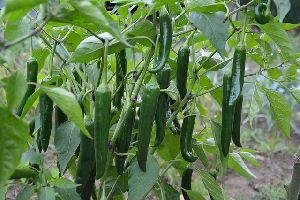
column 274, row 171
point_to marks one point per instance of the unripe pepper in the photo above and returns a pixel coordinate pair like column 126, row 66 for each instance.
column 102, row 125
column 165, row 40
column 147, row 114
column 163, row 79
column 32, row 71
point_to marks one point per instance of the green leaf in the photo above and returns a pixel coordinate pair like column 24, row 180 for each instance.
column 236, row 163
column 282, row 7
column 67, row 194
column 92, row 48
column 255, row 104
column 64, row 183
column 198, row 148
column 30, row 101
column 280, row 37
column 40, row 55
column 205, row 6
column 281, row 111
column 193, row 195
column 296, row 95
column 16, row 8
column 46, row 193
column 3, row 191
column 168, row 150
column 13, row 137
column 169, row 192
column 213, row 28
column 250, row 158
column 66, row 141
column 172, row 91
column 206, row 83
column 216, row 130
column 67, row 102
column 211, row 185
column 16, row 28
column 26, row 192
column 144, row 28
column 140, row 183
column 97, row 14
column 32, row 157
column 213, row 64
column 15, row 90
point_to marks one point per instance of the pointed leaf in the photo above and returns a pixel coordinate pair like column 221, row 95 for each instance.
column 67, row 102
column 16, row 8
column 280, row 37
column 296, row 95
column 193, row 195
column 66, row 141
column 13, row 137
column 169, row 192
column 67, row 194
column 97, row 14
column 15, row 90
column 211, row 185
column 46, row 193
column 255, row 104
column 250, row 158
column 198, row 148
column 213, row 28
column 140, row 183
column 281, row 111
column 236, row 163
column 26, row 193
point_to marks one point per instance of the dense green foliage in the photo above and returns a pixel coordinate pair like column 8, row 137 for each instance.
column 151, row 98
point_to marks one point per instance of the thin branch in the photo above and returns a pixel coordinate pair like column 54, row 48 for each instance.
column 49, row 45
column 237, row 10
column 24, row 37
column 264, row 69
column 183, row 32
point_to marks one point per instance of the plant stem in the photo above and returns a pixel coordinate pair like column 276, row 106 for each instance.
column 169, row 165
column 183, row 32
column 24, row 37
column 51, row 59
column 104, row 74
column 49, row 45
column 239, row 9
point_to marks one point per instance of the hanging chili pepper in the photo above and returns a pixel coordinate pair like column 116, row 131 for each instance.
column 147, row 114
column 165, row 40
column 163, row 79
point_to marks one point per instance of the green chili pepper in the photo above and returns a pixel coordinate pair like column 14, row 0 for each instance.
column 227, row 115
column 186, row 136
column 85, row 174
column 123, row 142
column 186, row 182
column 236, row 131
column 121, row 70
column 102, row 125
column 46, row 110
column 165, row 40
column 262, row 13
column 182, row 70
column 237, row 75
column 32, row 71
column 147, row 114
column 163, row 79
